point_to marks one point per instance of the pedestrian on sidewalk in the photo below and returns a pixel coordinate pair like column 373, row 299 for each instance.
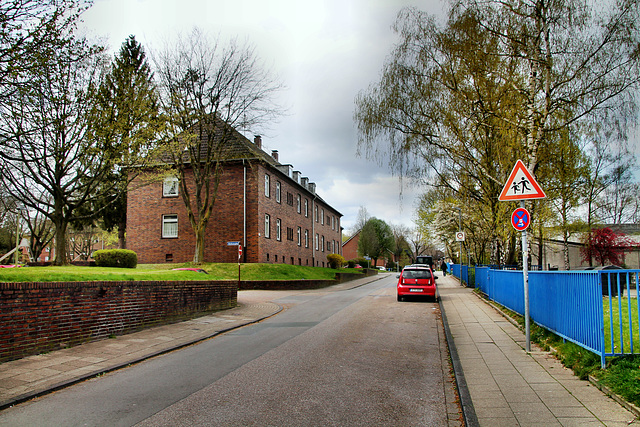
column 443, row 267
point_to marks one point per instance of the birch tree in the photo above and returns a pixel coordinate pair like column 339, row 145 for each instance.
column 459, row 102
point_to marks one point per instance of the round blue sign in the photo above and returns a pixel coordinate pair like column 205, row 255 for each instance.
column 520, row 219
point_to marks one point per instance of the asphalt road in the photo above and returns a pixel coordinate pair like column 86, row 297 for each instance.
column 354, row 357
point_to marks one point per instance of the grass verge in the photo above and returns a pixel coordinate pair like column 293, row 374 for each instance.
column 146, row 272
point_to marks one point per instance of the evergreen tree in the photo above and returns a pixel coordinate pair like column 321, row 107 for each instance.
column 126, row 122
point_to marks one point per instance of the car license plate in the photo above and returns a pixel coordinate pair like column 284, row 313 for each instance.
column 416, row 290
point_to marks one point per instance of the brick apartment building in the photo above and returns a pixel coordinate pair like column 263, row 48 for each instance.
column 267, row 207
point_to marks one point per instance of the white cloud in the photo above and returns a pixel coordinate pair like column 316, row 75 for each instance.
column 325, row 52
column 383, row 197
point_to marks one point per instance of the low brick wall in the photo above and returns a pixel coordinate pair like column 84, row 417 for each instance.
column 284, row 285
column 40, row 317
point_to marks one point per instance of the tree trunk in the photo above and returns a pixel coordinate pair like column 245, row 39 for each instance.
column 540, row 248
column 565, row 248
column 198, row 256
column 122, row 228
column 61, row 242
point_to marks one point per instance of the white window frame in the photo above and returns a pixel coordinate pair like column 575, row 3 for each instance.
column 299, row 236
column 168, row 231
column 267, row 226
column 306, row 208
column 306, row 238
column 170, row 187
column 278, row 191
column 267, row 185
column 299, row 203
column 278, row 229
column 322, row 243
column 322, row 212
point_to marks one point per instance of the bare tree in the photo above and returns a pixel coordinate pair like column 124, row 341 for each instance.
column 400, row 236
column 207, row 92
column 41, row 232
column 361, row 220
column 30, row 32
column 51, row 165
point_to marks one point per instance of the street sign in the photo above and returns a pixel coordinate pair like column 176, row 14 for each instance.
column 521, row 185
column 460, row 236
column 520, row 219
column 239, row 252
column 233, row 243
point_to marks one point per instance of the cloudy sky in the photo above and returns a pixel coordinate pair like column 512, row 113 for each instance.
column 324, row 52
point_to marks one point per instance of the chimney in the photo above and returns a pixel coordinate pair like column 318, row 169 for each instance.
column 312, row 187
column 304, row 181
column 274, row 154
column 296, row 176
column 257, row 139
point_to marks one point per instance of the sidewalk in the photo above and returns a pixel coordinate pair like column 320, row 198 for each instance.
column 24, row 379
column 505, row 385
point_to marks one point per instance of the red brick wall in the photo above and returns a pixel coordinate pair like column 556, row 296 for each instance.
column 350, row 248
column 38, row 317
column 146, row 207
column 273, row 251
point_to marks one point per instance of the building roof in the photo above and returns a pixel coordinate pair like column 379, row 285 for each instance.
column 238, row 147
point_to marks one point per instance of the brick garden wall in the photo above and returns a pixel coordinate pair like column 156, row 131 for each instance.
column 39, row 317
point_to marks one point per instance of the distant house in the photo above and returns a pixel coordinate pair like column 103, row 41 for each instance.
column 553, row 249
column 265, row 206
column 350, row 251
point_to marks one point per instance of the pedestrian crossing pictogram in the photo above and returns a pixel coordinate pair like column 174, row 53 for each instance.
column 521, row 185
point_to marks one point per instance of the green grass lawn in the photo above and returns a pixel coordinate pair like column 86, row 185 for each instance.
column 164, row 272
column 621, row 316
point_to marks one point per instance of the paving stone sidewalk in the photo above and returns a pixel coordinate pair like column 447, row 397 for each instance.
column 509, row 387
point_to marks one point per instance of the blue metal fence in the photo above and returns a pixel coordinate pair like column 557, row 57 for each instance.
column 576, row 305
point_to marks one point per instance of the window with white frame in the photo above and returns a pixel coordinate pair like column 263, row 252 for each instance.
column 278, row 229
column 267, row 226
column 322, row 213
column 170, row 187
column 298, row 203
column 317, row 241
column 322, row 243
column 267, row 185
column 306, row 208
column 306, row 238
column 169, row 226
column 278, row 191
column 299, row 236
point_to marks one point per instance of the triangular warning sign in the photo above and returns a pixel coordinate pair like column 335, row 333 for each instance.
column 521, row 185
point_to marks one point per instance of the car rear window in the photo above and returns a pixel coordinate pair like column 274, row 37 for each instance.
column 416, row 274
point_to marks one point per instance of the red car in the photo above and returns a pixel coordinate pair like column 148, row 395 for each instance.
column 417, row 281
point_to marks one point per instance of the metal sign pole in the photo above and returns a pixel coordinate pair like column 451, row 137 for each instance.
column 521, row 185
column 525, row 274
column 239, row 257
